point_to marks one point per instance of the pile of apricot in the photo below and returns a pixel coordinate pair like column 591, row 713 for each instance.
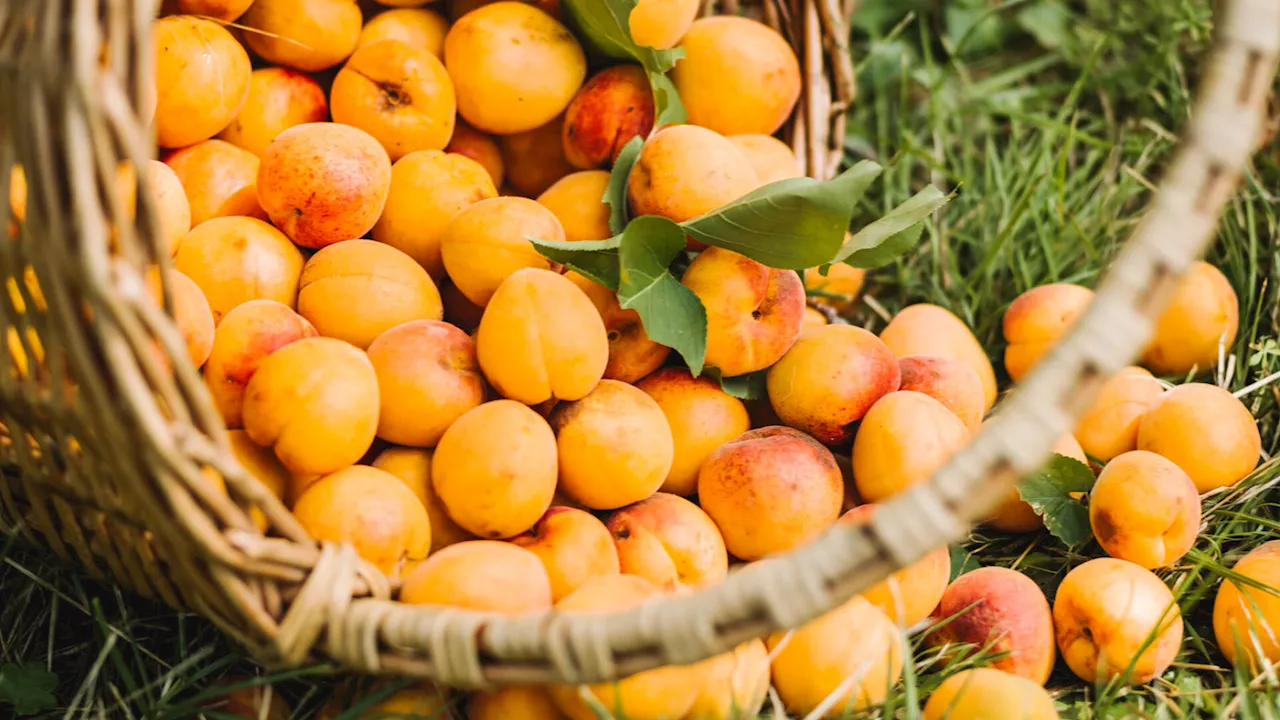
column 347, row 195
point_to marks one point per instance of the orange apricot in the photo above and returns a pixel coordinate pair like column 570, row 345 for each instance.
column 494, row 469
column 193, row 317
column 323, row 183
column 315, row 401
column 950, row 382
column 173, row 210
column 839, row 288
column 772, row 159
column 615, row 446
column 903, row 438
column 975, row 693
column 1246, row 617
column 279, row 98
column 1015, row 515
column 398, row 93
column 358, row 289
column 1203, row 313
column 225, row 10
column 812, row 318
column 684, row 171
column 669, row 541
column 829, row 379
column 237, row 259
column 573, row 546
column 735, row 684
column 1144, row 509
column 419, row 27
column 1204, row 430
column 488, row 241
column 246, row 336
column 428, row 188
column 483, row 575
column 931, row 330
column 306, row 35
column 262, row 465
column 1110, row 426
column 535, row 159
column 577, row 201
column 370, row 509
column 471, row 143
column 484, row 46
column 632, row 355
column 541, row 338
column 412, row 466
column 702, row 417
column 202, row 79
column 218, row 179
column 514, row 702
column 909, row 595
column 427, row 378
column 1036, row 320
column 613, row 106
column 737, row 76
column 770, row 490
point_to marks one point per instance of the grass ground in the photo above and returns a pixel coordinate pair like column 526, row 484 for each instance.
column 1052, row 121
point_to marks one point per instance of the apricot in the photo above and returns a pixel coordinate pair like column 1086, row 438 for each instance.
column 173, row 210
column 950, row 382
column 495, row 469
column 535, row 159
column 1245, row 617
column 632, row 355
column 852, row 652
column 839, row 288
column 323, row 183
column 1202, row 314
column 770, row 490
column 909, row 595
column 419, row 27
column 1116, row 620
column 669, row 541
column 238, row 259
column 902, row 440
column 658, row 694
column 218, row 179
column 932, row 330
column 753, row 311
column 415, row 701
column 615, row 446
column 830, row 378
column 1036, row 320
column 358, row 289
column 737, row 76
column 541, row 338
column 1110, row 426
column 1144, row 509
column 684, row 171
column 484, row 575
column 370, row 509
column 428, row 188
column 263, row 466
column 615, row 105
column 1015, row 515
column 17, row 199
column 488, row 240
column 573, row 546
column 458, row 310
column 812, row 318
column 485, row 45
column 515, row 702
column 661, row 23
column 315, row 401
column 279, row 98
column 577, row 201
column 985, row 693
column 245, row 337
column 702, row 418
column 998, row 610
column 1204, row 430
column 471, row 143
column 773, row 160
column 202, row 79
column 427, row 377
column 306, row 35
column 398, row 93
column 224, row 10
column 735, row 686
column 193, row 317
column 412, row 466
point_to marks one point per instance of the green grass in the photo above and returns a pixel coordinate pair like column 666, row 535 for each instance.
column 1051, row 121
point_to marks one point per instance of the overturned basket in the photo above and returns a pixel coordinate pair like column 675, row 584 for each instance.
column 104, row 440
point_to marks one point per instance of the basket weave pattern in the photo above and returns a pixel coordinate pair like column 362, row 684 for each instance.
column 105, row 441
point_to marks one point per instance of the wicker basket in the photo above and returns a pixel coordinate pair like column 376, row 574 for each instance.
column 105, row 441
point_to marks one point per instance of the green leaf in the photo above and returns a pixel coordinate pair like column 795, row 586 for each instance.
column 615, row 195
column 605, row 27
column 596, row 259
column 962, row 561
column 672, row 315
column 1049, row 490
column 791, row 224
column 28, row 689
column 884, row 240
column 752, row 386
column 668, row 108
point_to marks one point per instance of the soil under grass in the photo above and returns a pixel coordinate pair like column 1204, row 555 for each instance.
column 1051, row 121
